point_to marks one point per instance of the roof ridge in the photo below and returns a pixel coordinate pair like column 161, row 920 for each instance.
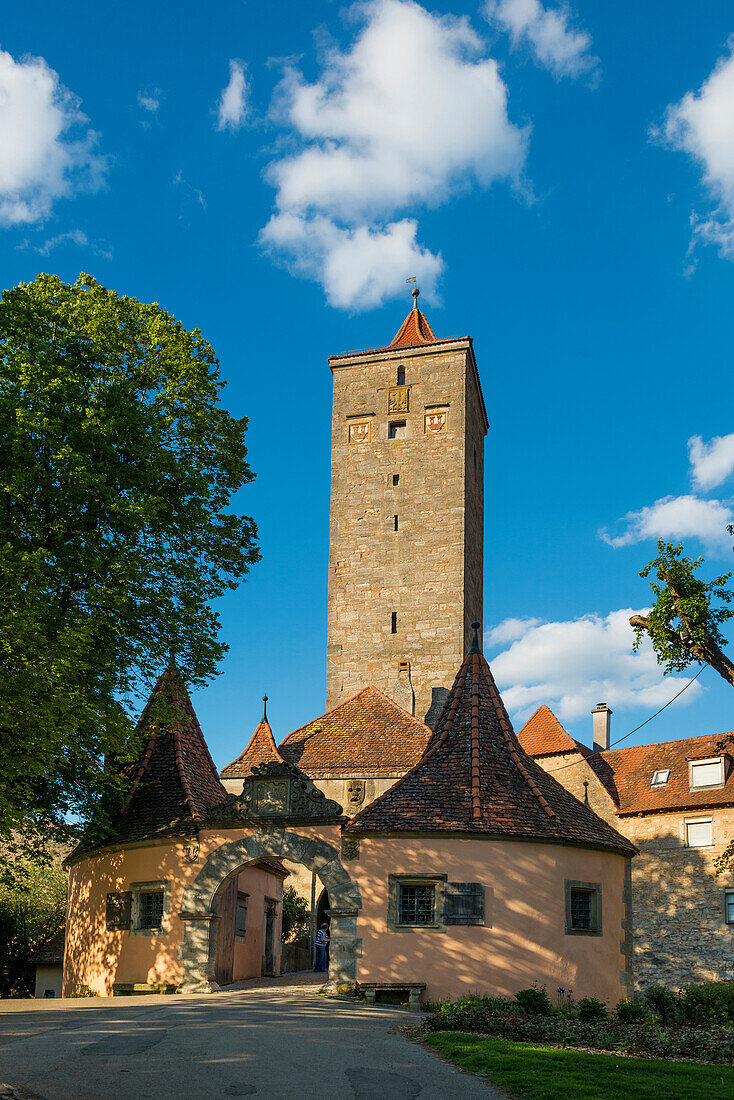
column 672, row 741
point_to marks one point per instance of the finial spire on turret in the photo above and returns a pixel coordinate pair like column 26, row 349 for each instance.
column 475, row 637
column 265, row 708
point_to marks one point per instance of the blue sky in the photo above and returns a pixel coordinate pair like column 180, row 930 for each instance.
column 561, row 180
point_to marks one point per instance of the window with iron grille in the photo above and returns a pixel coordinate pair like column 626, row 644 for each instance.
column 150, row 909
column 415, row 904
column 583, row 908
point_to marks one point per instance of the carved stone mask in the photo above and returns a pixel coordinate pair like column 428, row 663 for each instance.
column 355, row 792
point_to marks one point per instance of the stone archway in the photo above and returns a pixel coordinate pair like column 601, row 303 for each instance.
column 198, row 907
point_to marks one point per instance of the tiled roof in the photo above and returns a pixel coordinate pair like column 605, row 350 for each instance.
column 633, row 770
column 475, row 777
column 259, row 750
column 51, row 954
column 175, row 782
column 414, row 330
column 368, row 733
column 543, row 734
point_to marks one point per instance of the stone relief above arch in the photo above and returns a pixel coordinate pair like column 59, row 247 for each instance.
column 199, row 903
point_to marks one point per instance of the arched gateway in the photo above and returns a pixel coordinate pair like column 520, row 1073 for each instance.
column 200, row 901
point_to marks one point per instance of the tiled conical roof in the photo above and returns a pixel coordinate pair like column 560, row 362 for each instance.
column 414, row 329
column 475, row 777
column 260, row 749
column 366, row 734
column 175, row 782
column 543, row 733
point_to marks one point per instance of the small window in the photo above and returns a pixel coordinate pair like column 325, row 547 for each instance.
column 583, row 909
column 396, row 522
column 729, row 906
column 699, row 833
column 395, row 479
column 150, row 909
column 394, row 623
column 707, row 773
column 401, row 376
column 660, row 778
column 241, row 923
column 415, row 904
column 463, row 903
column 396, row 429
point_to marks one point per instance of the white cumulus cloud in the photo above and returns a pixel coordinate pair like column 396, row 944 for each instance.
column 711, row 463
column 702, row 125
column 548, row 32
column 233, row 107
column 676, row 518
column 150, row 101
column 410, row 113
column 571, row 665
column 46, row 151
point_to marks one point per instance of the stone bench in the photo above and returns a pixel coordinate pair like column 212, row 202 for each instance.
column 413, row 989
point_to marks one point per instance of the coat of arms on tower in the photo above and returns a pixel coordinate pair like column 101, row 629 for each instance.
column 359, row 431
column 435, row 421
column 397, row 399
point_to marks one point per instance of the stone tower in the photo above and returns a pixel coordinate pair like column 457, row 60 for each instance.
column 407, row 516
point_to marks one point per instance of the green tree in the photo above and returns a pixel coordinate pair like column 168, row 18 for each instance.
column 296, row 919
column 117, row 466
column 32, row 914
column 684, row 623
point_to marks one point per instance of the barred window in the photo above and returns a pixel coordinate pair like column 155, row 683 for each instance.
column 416, row 904
column 150, row 909
column 581, row 909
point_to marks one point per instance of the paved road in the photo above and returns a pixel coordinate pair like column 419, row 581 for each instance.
column 276, row 1041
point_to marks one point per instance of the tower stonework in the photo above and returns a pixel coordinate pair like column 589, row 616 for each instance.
column 407, row 517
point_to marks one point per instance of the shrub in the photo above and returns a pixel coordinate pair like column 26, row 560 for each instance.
column 534, row 1001
column 592, row 1009
column 707, row 1003
column 631, row 1012
column 664, row 1002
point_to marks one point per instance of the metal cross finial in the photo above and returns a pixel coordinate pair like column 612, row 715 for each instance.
column 265, row 708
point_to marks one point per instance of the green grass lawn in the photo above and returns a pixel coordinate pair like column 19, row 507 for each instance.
column 545, row 1073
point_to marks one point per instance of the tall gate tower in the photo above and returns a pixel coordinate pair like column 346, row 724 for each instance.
column 407, row 516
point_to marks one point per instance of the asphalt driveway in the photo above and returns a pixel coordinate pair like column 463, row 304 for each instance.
column 275, row 1040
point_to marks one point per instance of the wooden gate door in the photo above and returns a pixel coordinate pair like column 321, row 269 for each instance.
column 224, row 963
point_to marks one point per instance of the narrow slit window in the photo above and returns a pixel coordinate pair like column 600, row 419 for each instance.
column 396, row 429
column 395, row 479
column 396, row 522
column 401, row 376
column 394, row 623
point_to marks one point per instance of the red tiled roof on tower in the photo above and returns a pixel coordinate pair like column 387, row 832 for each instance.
column 175, row 783
column 260, row 749
column 366, row 733
column 414, row 329
column 474, row 776
column 543, row 734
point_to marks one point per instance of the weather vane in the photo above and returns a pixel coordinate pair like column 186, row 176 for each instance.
column 415, row 291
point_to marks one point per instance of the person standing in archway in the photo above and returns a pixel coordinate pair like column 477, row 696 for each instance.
column 322, row 945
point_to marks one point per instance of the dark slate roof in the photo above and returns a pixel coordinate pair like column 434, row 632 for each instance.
column 260, row 749
column 475, row 777
column 175, row 782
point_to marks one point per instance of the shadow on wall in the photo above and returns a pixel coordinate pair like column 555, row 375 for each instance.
column 678, row 914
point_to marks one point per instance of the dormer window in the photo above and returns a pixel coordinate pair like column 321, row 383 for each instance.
column 706, row 773
column 660, row 777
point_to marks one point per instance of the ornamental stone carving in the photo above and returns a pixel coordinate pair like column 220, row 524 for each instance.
column 276, row 791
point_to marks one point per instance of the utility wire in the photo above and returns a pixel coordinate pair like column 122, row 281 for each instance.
column 619, row 741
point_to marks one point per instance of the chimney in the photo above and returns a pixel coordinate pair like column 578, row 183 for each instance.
column 601, row 717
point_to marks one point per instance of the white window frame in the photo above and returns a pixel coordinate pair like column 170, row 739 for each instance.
column 660, row 782
column 692, row 764
column 397, row 424
column 698, row 821
column 138, row 888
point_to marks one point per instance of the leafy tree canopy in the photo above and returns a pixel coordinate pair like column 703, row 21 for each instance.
column 296, row 919
column 117, row 466
column 685, row 621
column 32, row 915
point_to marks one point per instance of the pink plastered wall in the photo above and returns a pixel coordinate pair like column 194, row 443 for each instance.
column 523, row 940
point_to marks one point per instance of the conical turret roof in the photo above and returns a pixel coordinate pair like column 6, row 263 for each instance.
column 475, row 777
column 175, row 782
column 260, row 749
column 414, row 329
